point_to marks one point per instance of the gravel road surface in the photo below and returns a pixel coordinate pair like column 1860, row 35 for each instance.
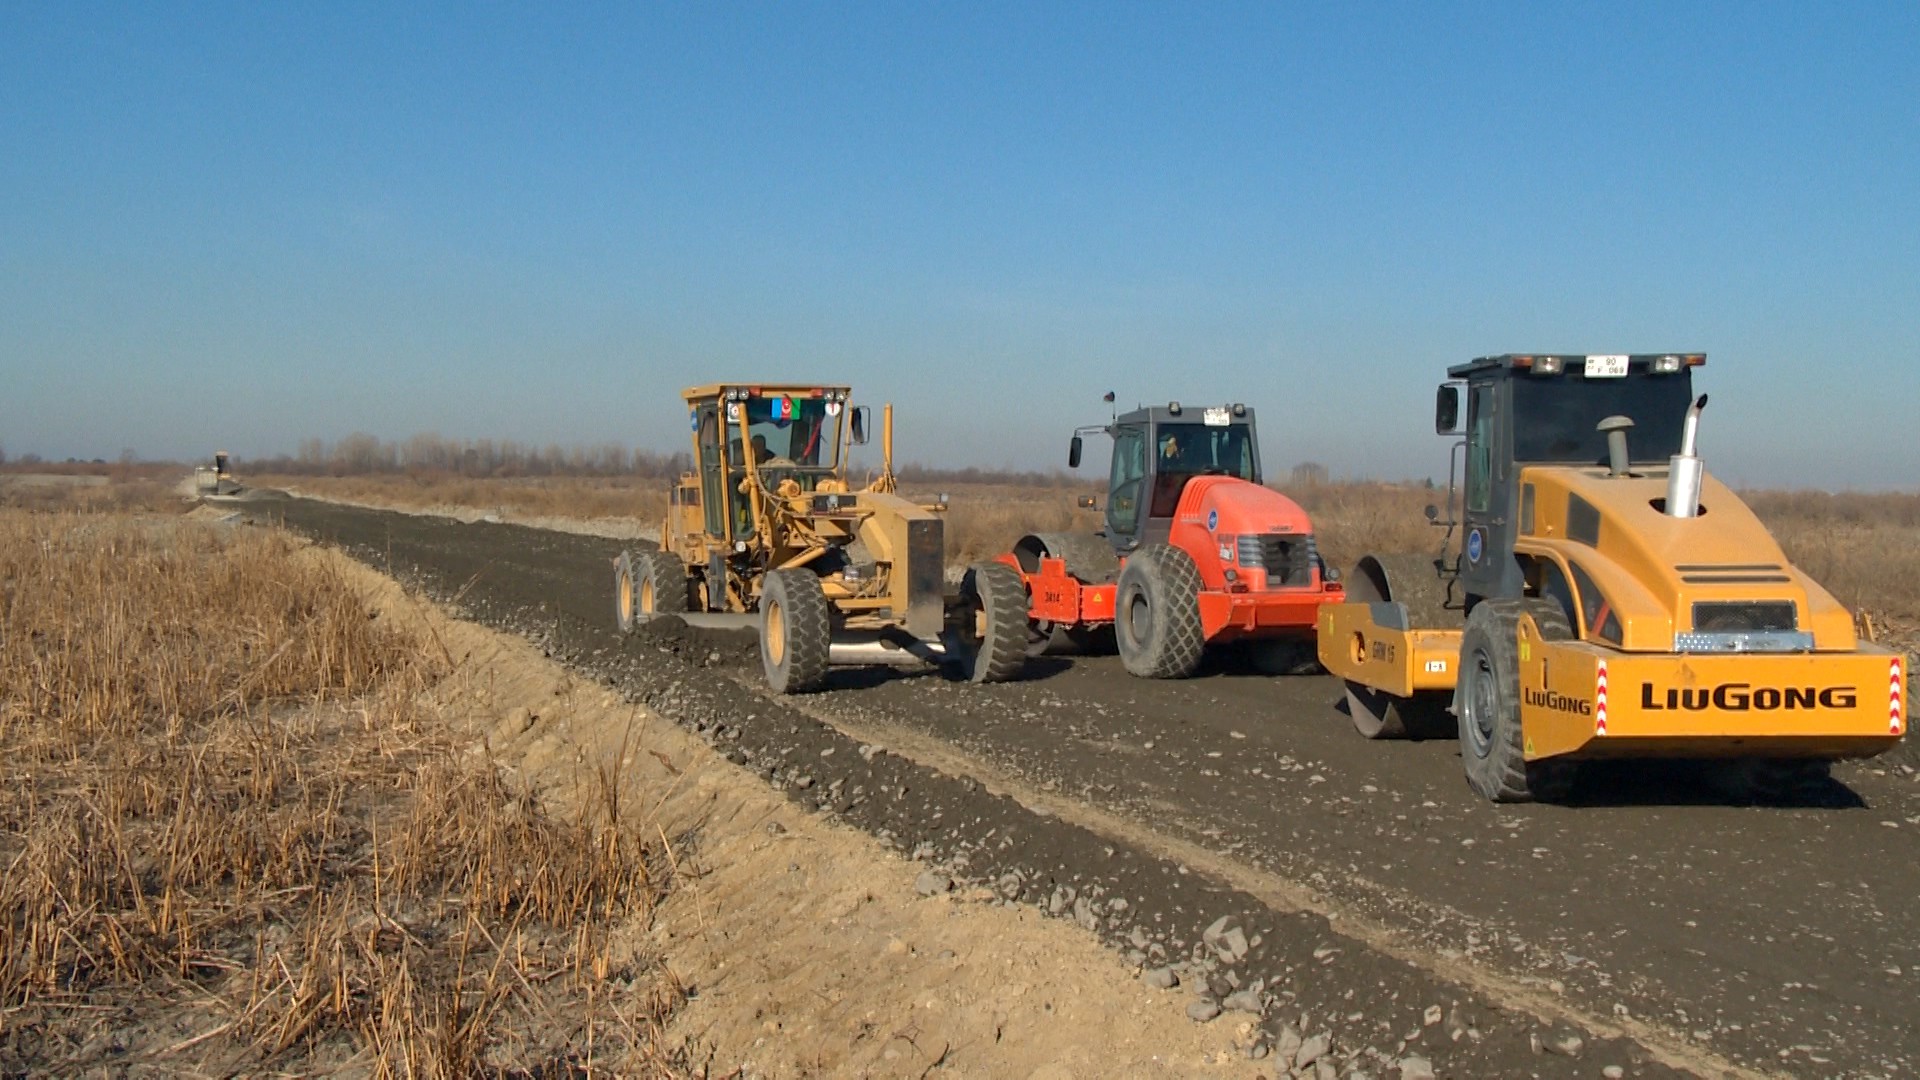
column 1233, row 836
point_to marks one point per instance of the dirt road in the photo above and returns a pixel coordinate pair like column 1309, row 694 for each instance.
column 1665, row 928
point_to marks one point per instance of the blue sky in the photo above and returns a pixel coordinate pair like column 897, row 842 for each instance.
column 249, row 224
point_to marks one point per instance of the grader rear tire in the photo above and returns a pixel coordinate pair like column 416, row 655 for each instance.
column 1491, row 743
column 659, row 584
column 623, row 592
column 796, row 631
column 992, row 623
column 1157, row 613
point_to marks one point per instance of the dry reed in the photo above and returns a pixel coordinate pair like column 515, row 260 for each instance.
column 235, row 841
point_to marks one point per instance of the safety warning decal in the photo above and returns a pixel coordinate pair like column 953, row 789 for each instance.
column 1600, row 702
column 1896, row 694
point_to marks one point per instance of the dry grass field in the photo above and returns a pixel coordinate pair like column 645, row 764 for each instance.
column 89, row 487
column 237, row 839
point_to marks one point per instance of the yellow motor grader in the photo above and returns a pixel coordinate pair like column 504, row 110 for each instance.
column 1607, row 598
column 768, row 533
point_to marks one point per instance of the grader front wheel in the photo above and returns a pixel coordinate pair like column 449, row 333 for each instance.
column 796, row 631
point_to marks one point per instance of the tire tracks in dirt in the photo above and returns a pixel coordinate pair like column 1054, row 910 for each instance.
column 1288, row 896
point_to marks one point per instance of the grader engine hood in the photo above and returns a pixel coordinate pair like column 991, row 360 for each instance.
column 909, row 541
column 1646, row 580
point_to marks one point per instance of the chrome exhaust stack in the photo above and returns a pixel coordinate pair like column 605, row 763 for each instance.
column 1685, row 469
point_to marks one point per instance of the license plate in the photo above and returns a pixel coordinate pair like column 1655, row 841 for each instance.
column 1216, row 418
column 1606, row 367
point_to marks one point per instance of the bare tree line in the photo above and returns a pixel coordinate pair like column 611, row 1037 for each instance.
column 361, row 454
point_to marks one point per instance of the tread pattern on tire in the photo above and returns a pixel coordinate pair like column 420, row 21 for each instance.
column 1170, row 582
column 669, row 577
column 809, row 631
column 1504, row 775
column 1001, row 654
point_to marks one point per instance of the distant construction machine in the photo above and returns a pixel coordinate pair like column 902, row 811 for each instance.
column 1607, row 599
column 217, row 480
column 768, row 533
column 1196, row 552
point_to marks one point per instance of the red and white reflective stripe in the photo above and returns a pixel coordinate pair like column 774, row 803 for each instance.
column 1896, row 690
column 1600, row 703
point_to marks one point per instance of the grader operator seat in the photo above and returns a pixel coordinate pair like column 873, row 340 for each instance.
column 1559, row 410
column 1156, row 451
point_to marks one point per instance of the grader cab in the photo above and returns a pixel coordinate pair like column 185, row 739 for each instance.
column 1607, row 598
column 769, row 533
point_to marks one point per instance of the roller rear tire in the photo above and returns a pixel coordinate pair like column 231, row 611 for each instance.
column 1157, row 613
column 1491, row 742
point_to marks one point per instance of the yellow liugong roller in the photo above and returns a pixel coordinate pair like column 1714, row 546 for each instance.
column 1600, row 595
